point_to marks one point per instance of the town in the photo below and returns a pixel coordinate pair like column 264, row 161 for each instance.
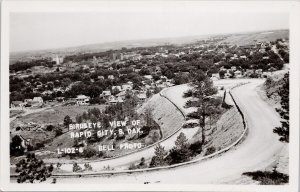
column 110, row 77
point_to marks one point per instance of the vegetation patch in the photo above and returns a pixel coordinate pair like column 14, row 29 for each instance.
column 268, row 177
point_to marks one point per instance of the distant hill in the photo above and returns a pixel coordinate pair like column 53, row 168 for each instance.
column 238, row 39
column 249, row 38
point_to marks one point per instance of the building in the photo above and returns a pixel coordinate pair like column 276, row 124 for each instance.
column 38, row 100
column 238, row 74
column 82, row 100
column 116, row 88
column 127, row 87
column 25, row 142
column 111, row 77
column 142, row 97
column 105, row 94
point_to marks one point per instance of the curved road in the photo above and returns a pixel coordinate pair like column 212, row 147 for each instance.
column 123, row 162
column 259, row 150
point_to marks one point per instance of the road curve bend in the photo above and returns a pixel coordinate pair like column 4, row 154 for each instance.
column 259, row 150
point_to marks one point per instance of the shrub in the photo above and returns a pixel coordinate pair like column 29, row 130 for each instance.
column 49, row 127
column 76, row 167
column 38, row 146
column 190, row 125
column 88, row 167
column 268, row 177
column 58, row 165
column 32, row 169
column 196, row 148
column 89, row 152
column 58, row 132
column 188, row 93
column 210, row 150
column 225, row 105
column 18, row 128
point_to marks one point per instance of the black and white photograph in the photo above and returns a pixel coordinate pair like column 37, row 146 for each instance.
column 150, row 94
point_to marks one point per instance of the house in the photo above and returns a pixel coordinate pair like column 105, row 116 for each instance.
column 233, row 68
column 215, row 76
column 266, row 57
column 142, row 97
column 122, row 94
column 100, row 77
column 25, row 142
column 148, row 77
column 238, row 74
column 114, row 100
column 82, row 100
column 105, row 94
column 227, row 75
column 111, row 77
column 118, row 88
column 60, row 99
column 157, row 69
column 27, row 100
column 127, row 87
column 38, row 100
column 266, row 74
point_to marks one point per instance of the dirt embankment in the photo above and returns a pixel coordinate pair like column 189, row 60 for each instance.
column 165, row 114
column 269, row 90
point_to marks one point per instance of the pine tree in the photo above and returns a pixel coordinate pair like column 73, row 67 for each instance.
column 284, row 92
column 159, row 158
column 203, row 91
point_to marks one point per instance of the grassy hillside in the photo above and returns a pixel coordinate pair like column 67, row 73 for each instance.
column 249, row 38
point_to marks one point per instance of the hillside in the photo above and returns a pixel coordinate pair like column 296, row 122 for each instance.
column 250, row 38
column 269, row 90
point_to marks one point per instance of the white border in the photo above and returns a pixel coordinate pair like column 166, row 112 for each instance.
column 292, row 7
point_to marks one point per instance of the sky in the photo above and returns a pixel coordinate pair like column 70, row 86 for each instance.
column 36, row 31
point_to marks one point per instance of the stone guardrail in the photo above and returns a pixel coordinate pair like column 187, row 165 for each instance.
column 170, row 166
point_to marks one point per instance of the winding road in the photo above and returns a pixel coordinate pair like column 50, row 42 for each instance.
column 260, row 149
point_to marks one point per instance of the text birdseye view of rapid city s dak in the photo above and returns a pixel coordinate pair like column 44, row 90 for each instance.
column 126, row 101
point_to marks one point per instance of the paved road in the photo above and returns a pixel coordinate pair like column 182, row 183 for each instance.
column 259, row 150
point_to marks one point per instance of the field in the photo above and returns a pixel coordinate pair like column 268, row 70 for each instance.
column 248, row 38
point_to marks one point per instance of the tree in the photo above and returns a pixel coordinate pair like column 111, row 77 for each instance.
column 159, row 158
column 16, row 148
column 284, row 92
column 180, row 152
column 32, row 169
column 203, row 91
column 67, row 121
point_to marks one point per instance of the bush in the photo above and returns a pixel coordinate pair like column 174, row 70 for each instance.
column 190, row 125
column 89, row 152
column 39, row 145
column 32, row 169
column 225, row 105
column 18, row 128
column 210, row 150
column 196, row 148
column 49, row 127
column 188, row 93
column 76, row 167
column 88, row 167
column 268, row 178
